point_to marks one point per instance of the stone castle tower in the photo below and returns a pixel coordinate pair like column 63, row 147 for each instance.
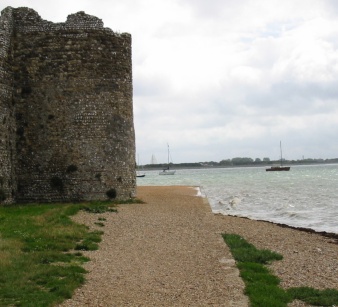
column 66, row 113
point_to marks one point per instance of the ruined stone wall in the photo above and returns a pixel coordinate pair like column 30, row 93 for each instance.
column 7, row 122
column 72, row 107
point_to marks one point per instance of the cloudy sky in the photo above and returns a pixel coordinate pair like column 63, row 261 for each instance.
column 220, row 79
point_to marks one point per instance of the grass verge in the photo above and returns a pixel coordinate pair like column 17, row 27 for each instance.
column 41, row 252
column 262, row 287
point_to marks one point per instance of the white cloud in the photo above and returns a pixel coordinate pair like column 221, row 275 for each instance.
column 221, row 78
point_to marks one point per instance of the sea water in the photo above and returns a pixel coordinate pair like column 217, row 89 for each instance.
column 305, row 196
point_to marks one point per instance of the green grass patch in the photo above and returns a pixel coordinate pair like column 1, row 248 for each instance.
column 327, row 297
column 262, row 287
column 246, row 252
column 40, row 252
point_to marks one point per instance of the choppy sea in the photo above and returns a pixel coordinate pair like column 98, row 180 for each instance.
column 306, row 196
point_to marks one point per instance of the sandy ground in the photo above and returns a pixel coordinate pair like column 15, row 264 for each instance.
column 169, row 252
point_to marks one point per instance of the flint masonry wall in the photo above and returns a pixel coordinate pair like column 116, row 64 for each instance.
column 7, row 118
column 66, row 115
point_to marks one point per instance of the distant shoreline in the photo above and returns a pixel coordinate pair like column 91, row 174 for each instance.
column 157, row 167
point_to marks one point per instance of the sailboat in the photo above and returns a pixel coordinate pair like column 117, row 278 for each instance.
column 280, row 167
column 167, row 170
column 138, row 172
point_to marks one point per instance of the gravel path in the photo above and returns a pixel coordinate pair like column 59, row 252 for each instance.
column 166, row 252
column 169, row 252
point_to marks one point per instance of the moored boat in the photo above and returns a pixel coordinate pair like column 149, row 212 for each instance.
column 167, row 170
column 279, row 167
column 138, row 172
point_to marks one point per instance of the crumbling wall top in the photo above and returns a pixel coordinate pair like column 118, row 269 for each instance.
column 28, row 20
column 82, row 17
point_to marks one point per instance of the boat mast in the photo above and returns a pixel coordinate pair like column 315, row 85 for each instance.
column 281, row 156
column 168, row 156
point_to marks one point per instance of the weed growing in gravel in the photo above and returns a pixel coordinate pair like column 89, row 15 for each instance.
column 99, row 207
column 262, row 287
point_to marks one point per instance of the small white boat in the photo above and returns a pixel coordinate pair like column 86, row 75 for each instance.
column 167, row 170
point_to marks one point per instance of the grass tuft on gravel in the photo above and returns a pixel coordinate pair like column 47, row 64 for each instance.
column 40, row 251
column 262, row 287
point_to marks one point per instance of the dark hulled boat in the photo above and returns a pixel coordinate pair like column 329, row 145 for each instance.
column 280, row 167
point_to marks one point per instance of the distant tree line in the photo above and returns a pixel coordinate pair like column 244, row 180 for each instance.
column 240, row 161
